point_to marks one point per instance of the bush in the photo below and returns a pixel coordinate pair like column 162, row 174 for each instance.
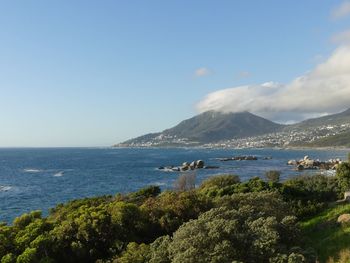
column 343, row 175
column 273, row 176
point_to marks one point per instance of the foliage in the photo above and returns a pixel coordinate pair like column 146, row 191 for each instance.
column 186, row 181
column 343, row 175
column 324, row 234
column 134, row 253
column 229, row 184
column 227, row 235
column 273, row 176
column 308, row 194
column 224, row 220
column 171, row 209
column 342, row 257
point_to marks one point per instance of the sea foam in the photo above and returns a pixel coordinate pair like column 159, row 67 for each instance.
column 5, row 188
column 32, row 170
column 59, row 174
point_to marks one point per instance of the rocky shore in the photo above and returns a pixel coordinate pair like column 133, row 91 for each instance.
column 187, row 166
column 239, row 158
column 309, row 164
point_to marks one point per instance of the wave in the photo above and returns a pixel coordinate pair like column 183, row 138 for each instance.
column 32, row 170
column 159, row 183
column 5, row 188
column 59, row 174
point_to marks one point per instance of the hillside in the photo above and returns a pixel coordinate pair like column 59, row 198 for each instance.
column 333, row 119
column 244, row 129
column 338, row 140
column 215, row 126
column 333, row 238
column 210, row 127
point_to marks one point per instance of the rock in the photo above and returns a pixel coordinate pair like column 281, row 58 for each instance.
column 306, row 157
column 193, row 165
column 292, row 162
column 225, row 159
column 185, row 168
column 347, row 196
column 240, row 158
column 309, row 162
column 300, row 167
column 199, row 164
column 344, row 219
column 211, row 167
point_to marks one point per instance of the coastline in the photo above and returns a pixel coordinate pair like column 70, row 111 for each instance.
column 336, row 148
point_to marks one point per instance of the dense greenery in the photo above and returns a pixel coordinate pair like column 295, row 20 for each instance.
column 223, row 220
column 326, row 236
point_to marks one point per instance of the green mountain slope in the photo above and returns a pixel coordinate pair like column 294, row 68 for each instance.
column 213, row 126
column 333, row 119
column 340, row 140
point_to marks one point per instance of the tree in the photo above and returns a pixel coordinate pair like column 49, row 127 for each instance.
column 227, row 235
column 343, row 175
column 253, row 227
column 185, row 181
column 134, row 253
column 273, row 176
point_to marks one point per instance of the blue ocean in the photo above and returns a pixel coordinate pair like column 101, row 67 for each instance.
column 38, row 179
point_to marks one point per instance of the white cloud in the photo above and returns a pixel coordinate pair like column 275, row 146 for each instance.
column 325, row 89
column 341, row 11
column 201, row 72
column 341, row 38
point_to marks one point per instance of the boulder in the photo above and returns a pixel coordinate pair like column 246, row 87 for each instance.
column 186, row 164
column 292, row 162
column 309, row 162
column 199, row 164
column 347, row 196
column 185, row 168
column 193, row 165
column 344, row 219
column 300, row 167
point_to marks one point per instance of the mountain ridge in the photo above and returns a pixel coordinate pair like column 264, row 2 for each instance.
column 213, row 127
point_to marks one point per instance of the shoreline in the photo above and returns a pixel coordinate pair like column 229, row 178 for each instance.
column 336, row 148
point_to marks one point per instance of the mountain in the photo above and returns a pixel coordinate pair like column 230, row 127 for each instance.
column 244, row 129
column 209, row 127
column 333, row 119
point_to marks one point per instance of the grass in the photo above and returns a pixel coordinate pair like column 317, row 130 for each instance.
column 325, row 235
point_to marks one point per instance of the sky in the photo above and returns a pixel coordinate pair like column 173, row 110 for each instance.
column 95, row 73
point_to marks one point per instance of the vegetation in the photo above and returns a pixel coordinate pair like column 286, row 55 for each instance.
column 342, row 140
column 223, row 220
column 329, row 238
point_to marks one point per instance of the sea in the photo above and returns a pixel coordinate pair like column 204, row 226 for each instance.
column 41, row 178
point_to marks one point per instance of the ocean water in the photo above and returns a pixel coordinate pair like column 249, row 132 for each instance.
column 32, row 179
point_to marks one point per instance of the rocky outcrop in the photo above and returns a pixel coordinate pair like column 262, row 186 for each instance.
column 344, row 219
column 239, row 158
column 187, row 166
column 309, row 164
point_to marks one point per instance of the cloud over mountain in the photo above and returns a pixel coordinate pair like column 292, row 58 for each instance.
column 325, row 89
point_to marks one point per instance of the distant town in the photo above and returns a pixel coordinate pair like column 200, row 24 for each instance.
column 286, row 138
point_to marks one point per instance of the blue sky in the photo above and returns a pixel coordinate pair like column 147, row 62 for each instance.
column 94, row 73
